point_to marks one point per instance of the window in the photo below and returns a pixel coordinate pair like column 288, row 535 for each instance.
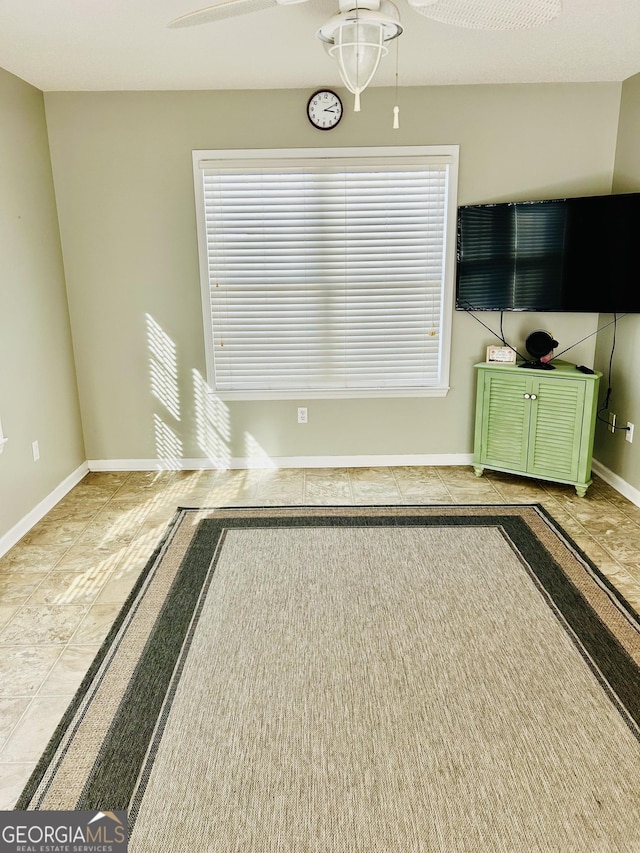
column 328, row 272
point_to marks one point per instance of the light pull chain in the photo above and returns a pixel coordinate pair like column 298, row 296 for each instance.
column 396, row 109
column 356, row 103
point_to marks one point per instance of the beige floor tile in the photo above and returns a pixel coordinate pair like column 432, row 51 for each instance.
column 594, row 551
column 568, row 523
column 372, row 476
column 68, row 671
column 468, row 484
column 373, row 497
column 280, row 476
column 150, row 534
column 13, row 778
column 627, row 586
column 430, row 491
column 625, row 551
column 42, row 624
column 321, row 486
column 96, row 624
column 455, row 473
column 80, row 509
column 84, row 558
column 32, row 558
column 520, row 490
column 282, row 500
column 133, row 499
column 117, row 588
column 610, row 529
column 24, row 668
column 33, row 732
column 593, row 510
column 113, row 526
column 374, row 485
column 415, row 473
column 70, row 587
column 7, row 612
column 144, row 484
column 630, row 510
column 105, row 479
column 474, row 493
column 291, row 493
column 11, row 711
column 164, row 512
column 232, row 488
column 119, row 517
column 54, row 532
column 16, row 587
column 281, row 481
column 205, row 479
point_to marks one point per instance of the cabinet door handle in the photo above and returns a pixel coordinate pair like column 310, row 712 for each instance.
column 527, row 396
column 534, row 396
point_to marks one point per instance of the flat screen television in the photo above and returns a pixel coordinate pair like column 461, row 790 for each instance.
column 570, row 254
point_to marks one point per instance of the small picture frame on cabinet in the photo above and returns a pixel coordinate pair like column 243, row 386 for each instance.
column 500, row 355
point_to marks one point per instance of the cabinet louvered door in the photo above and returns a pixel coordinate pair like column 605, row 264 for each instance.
column 556, row 423
column 505, row 426
column 536, row 423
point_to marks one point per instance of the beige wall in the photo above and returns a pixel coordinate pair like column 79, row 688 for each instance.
column 122, row 171
column 612, row 450
column 38, row 395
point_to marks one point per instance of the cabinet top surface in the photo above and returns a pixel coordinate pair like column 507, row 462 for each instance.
column 562, row 368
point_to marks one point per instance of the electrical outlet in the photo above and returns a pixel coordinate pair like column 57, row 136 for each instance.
column 629, row 433
column 35, row 447
column 612, row 422
column 303, row 415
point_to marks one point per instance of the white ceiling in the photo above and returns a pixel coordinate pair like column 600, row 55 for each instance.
column 88, row 45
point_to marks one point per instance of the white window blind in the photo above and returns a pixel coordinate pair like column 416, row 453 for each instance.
column 325, row 275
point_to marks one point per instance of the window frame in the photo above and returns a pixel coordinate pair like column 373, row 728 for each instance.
column 448, row 153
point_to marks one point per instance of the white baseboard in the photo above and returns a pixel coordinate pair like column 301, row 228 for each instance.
column 626, row 489
column 364, row 461
column 27, row 522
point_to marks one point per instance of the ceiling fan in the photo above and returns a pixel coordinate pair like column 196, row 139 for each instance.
column 474, row 14
column 356, row 36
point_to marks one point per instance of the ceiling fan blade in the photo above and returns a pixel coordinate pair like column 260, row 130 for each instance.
column 226, row 9
column 489, row 14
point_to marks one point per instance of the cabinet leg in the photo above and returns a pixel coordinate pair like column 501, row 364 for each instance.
column 479, row 470
column 581, row 491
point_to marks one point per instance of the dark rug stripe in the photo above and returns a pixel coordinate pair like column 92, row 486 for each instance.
column 116, row 770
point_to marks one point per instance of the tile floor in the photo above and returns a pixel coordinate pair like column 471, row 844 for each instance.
column 64, row 582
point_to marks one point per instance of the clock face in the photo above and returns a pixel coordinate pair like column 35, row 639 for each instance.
column 324, row 109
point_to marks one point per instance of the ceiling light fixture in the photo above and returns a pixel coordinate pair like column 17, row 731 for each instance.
column 356, row 37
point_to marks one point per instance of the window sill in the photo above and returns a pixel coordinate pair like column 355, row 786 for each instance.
column 307, row 394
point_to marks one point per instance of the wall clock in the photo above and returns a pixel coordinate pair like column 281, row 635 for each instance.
column 324, row 109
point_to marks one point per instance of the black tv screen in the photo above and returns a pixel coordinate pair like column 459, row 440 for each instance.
column 571, row 254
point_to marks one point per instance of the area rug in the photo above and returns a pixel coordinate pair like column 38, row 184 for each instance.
column 352, row 680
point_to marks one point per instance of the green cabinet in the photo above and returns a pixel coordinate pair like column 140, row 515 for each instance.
column 539, row 423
